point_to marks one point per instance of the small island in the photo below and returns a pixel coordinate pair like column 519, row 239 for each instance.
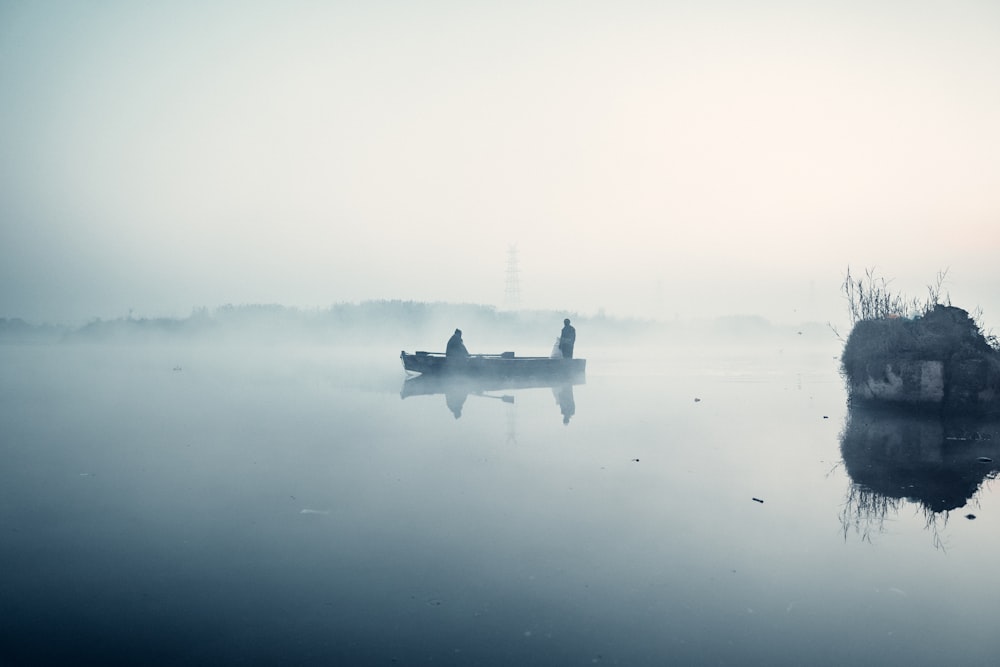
column 938, row 359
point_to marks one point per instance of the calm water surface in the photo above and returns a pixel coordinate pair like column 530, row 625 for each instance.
column 171, row 505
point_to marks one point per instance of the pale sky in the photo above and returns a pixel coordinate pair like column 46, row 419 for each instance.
column 656, row 159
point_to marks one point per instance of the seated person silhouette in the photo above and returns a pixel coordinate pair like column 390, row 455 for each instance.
column 456, row 348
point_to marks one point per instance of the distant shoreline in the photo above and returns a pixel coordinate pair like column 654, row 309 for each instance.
column 419, row 323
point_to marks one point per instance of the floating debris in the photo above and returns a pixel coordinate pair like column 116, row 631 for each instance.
column 970, row 517
column 697, row 400
column 758, row 500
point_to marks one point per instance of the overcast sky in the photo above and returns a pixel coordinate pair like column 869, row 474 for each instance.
column 648, row 158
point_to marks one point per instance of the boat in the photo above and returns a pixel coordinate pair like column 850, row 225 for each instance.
column 506, row 365
column 457, row 384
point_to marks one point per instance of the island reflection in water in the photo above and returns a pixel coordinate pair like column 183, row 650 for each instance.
column 457, row 390
column 893, row 458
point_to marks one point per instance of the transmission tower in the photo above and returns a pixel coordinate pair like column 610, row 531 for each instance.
column 512, row 291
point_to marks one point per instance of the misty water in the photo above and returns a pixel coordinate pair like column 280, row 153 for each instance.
column 250, row 504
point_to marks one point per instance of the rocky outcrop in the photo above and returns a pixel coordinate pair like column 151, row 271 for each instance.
column 938, row 361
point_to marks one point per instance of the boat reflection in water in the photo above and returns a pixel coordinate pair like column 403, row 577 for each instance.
column 457, row 389
column 936, row 463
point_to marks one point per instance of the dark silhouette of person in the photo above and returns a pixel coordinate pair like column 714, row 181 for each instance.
column 567, row 405
column 456, row 348
column 455, row 400
column 567, row 339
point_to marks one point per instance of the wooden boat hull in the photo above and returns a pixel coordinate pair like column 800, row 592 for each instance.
column 494, row 366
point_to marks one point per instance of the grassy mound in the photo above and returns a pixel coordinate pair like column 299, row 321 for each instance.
column 946, row 333
column 896, row 350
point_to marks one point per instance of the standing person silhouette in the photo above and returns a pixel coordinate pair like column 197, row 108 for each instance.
column 567, row 339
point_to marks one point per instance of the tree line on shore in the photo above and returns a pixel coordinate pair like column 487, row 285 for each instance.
column 422, row 323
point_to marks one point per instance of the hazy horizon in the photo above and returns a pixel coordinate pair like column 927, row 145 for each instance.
column 658, row 160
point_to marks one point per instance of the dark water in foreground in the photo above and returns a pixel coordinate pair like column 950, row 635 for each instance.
column 259, row 506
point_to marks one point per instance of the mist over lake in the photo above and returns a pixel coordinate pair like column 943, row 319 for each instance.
column 225, row 227
column 198, row 502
